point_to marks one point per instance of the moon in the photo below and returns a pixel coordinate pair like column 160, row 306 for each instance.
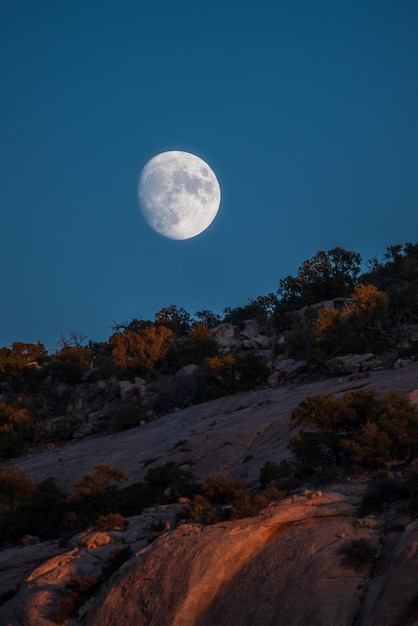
column 179, row 194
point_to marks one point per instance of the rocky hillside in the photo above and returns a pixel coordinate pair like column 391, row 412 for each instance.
column 255, row 469
column 308, row 559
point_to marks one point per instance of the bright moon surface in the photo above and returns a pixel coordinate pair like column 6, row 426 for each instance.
column 179, row 194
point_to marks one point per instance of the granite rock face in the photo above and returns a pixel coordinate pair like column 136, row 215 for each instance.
column 284, row 566
column 236, row 434
column 292, row 565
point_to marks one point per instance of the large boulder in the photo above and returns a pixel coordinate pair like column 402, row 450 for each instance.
column 225, row 335
column 350, row 363
column 283, row 567
column 251, row 328
column 285, row 370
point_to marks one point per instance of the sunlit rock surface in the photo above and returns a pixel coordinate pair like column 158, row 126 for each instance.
column 285, row 566
column 282, row 567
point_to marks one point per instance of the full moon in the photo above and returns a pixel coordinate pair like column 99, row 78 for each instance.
column 179, row 194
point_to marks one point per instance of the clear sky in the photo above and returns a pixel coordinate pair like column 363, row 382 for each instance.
column 306, row 111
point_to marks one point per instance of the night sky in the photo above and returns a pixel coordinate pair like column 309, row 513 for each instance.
column 306, row 111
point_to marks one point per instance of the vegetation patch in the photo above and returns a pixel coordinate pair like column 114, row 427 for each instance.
column 357, row 554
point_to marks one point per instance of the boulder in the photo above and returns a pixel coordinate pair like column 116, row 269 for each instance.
column 224, row 334
column 260, row 341
column 250, row 329
column 128, row 389
column 188, row 371
column 288, row 369
column 402, row 363
column 350, row 363
column 282, row 567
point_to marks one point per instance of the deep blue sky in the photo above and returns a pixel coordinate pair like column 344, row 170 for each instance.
column 306, row 111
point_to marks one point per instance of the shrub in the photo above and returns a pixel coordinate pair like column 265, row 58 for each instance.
column 361, row 427
column 230, row 373
column 327, row 275
column 222, row 498
column 282, row 475
column 383, row 491
column 171, row 480
column 357, row 554
column 99, row 481
column 112, row 521
column 141, row 350
column 127, row 419
column 16, row 427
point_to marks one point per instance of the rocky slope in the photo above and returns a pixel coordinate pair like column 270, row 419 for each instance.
column 284, row 566
column 236, row 434
column 294, row 564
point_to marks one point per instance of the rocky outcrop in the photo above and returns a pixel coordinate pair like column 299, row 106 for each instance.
column 350, row 363
column 225, row 336
column 231, row 339
column 285, row 370
column 297, row 562
column 236, row 434
column 282, row 567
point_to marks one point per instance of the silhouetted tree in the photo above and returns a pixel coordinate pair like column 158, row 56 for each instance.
column 174, row 317
column 327, row 275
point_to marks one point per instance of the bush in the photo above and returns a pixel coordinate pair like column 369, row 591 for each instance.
column 229, row 373
column 281, row 475
column 222, row 498
column 127, row 419
column 17, row 426
column 357, row 554
column 26, row 508
column 112, row 521
column 383, row 491
column 170, row 480
column 361, row 428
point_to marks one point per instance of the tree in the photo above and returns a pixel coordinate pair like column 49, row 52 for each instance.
column 198, row 345
column 328, row 420
column 397, row 276
column 208, row 318
column 70, row 362
column 13, row 360
column 133, row 325
column 141, row 350
column 260, row 308
column 361, row 427
column 357, row 328
column 368, row 303
column 231, row 373
column 174, row 317
column 16, row 426
column 15, row 486
column 327, row 275
column 98, row 482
